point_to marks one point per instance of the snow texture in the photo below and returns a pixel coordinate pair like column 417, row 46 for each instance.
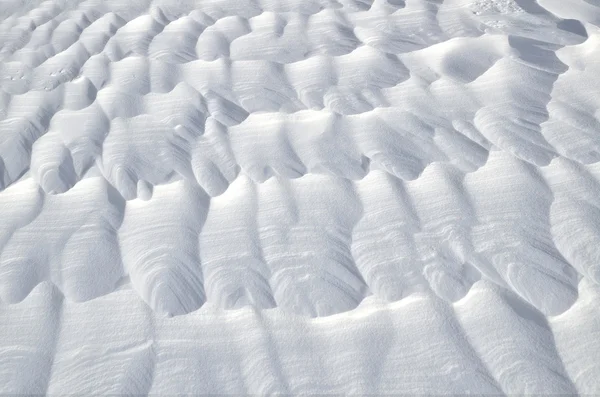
column 300, row 197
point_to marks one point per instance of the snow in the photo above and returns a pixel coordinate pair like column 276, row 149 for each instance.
column 299, row 197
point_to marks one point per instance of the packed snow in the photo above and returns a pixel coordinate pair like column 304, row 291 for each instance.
column 300, row 197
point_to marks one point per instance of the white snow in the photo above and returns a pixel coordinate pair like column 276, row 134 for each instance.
column 300, row 197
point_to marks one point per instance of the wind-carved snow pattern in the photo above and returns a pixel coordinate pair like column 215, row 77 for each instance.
column 437, row 160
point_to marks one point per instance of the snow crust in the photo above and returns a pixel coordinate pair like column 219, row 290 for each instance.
column 286, row 196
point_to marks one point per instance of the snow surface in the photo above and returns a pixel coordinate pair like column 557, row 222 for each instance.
column 300, row 196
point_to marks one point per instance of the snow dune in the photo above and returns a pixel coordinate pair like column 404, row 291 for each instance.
column 284, row 196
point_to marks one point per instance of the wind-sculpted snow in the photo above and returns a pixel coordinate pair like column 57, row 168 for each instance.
column 284, row 196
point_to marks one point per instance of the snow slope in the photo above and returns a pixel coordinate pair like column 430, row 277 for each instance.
column 300, row 196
